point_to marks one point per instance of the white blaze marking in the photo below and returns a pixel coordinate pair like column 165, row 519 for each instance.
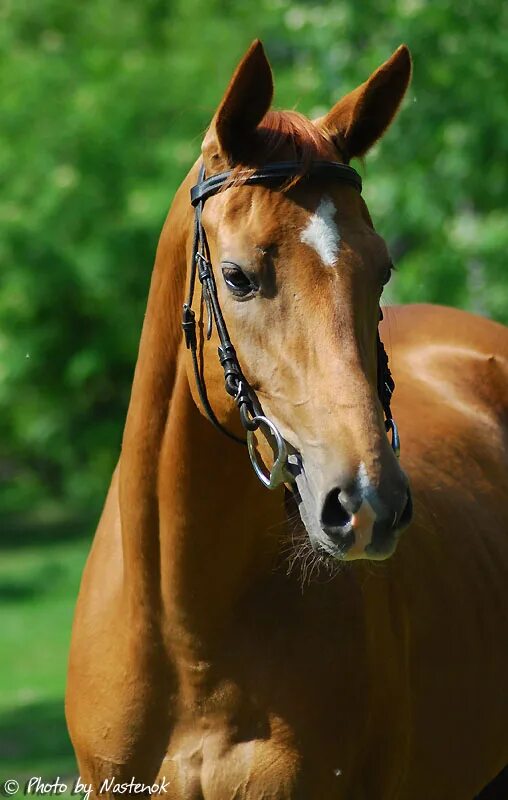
column 322, row 233
column 363, row 524
column 364, row 519
column 363, row 477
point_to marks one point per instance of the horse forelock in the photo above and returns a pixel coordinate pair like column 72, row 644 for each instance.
column 290, row 132
column 284, row 136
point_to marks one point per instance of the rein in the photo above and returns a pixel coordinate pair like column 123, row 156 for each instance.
column 274, row 176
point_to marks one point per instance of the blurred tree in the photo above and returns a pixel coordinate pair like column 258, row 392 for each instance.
column 104, row 105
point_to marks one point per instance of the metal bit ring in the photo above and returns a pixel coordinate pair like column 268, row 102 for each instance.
column 278, row 472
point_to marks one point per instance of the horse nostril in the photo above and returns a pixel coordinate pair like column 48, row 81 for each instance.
column 334, row 517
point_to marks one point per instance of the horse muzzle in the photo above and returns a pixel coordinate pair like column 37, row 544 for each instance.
column 359, row 521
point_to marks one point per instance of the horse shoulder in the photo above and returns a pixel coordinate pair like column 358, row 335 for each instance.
column 123, row 732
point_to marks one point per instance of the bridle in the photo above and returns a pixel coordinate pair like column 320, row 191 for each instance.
column 251, row 416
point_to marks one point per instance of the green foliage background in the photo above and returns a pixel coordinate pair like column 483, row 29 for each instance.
column 104, row 104
column 103, row 108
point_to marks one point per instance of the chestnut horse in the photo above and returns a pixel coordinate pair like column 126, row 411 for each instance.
column 196, row 659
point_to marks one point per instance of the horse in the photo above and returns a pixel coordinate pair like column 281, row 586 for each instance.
column 338, row 628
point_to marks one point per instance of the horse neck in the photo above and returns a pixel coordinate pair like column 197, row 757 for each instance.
column 217, row 525
column 195, row 521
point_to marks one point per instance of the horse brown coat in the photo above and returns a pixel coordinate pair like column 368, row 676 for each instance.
column 195, row 657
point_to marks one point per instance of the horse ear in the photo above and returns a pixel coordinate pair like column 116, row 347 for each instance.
column 363, row 115
column 245, row 103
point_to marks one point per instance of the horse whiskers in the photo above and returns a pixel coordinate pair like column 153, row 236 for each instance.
column 292, row 519
column 297, row 554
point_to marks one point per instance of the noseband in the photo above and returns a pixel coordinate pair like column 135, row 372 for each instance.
column 273, row 176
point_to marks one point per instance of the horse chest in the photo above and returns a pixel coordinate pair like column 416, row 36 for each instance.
column 290, row 709
column 207, row 765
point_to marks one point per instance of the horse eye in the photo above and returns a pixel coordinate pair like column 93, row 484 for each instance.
column 237, row 281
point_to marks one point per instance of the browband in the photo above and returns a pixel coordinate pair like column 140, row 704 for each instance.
column 274, row 175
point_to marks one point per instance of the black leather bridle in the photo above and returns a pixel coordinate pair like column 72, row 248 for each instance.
column 273, row 176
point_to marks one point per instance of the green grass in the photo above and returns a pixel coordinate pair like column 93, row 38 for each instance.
column 40, row 570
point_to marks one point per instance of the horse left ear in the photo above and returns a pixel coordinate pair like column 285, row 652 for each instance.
column 246, row 101
column 358, row 120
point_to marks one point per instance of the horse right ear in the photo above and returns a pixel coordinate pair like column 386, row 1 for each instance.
column 245, row 103
column 357, row 121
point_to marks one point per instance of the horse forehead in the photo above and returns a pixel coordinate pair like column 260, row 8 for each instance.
column 256, row 216
column 255, row 205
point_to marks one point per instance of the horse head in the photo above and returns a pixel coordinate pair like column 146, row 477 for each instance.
column 298, row 272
